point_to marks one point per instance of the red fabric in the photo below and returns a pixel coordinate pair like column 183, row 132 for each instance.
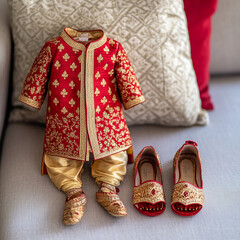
column 110, row 83
column 186, row 213
column 150, row 205
column 199, row 15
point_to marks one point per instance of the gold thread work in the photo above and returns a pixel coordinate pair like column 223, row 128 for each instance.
column 30, row 102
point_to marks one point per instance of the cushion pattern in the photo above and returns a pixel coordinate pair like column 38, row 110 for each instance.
column 154, row 35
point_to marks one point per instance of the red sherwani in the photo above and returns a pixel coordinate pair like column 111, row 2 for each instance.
column 87, row 85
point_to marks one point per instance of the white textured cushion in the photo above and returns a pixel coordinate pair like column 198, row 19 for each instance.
column 154, row 34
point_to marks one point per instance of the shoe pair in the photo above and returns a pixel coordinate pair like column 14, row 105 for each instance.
column 187, row 195
column 107, row 197
column 148, row 193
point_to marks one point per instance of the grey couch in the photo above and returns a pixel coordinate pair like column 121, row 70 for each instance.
column 31, row 207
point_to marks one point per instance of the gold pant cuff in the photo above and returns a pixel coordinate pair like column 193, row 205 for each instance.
column 64, row 173
column 111, row 169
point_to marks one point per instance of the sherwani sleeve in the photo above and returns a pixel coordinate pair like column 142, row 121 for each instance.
column 34, row 88
column 128, row 85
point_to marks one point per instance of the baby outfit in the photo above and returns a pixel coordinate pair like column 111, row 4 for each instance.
column 88, row 77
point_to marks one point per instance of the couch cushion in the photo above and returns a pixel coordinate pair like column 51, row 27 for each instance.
column 199, row 16
column 154, row 35
column 31, row 207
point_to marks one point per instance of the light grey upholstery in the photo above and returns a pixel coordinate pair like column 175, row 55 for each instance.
column 225, row 46
column 31, row 207
column 5, row 53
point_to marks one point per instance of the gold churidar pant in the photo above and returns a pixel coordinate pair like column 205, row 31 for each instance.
column 66, row 173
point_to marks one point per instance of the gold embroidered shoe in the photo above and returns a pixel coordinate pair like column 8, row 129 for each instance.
column 148, row 194
column 187, row 196
column 108, row 198
column 74, row 206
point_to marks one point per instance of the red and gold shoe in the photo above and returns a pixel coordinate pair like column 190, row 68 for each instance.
column 74, row 206
column 187, row 196
column 148, row 194
column 108, row 198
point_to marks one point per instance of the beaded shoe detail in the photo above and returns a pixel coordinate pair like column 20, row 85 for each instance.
column 74, row 207
column 108, row 198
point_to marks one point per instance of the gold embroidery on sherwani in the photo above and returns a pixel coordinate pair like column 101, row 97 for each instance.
column 32, row 90
column 66, row 57
column 90, row 96
column 103, row 82
column 80, row 58
column 104, row 100
column 134, row 102
column 73, row 66
column 64, row 92
column 113, row 120
column 79, row 76
column 98, row 109
column 41, row 63
column 132, row 85
column 65, row 75
column 105, row 66
column 111, row 42
column 114, row 98
column 72, row 102
column 55, row 83
column 55, row 40
column 57, row 64
column 76, row 88
column 97, row 92
column 90, row 106
column 54, row 138
column 76, row 45
column 83, row 125
column 60, row 47
column 64, row 110
column 109, row 91
column 100, row 58
column 106, row 50
column 75, row 50
column 113, row 58
column 30, row 102
column 97, row 75
column 55, row 101
column 72, row 85
column 111, row 72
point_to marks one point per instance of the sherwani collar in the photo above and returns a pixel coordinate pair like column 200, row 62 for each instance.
column 68, row 35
